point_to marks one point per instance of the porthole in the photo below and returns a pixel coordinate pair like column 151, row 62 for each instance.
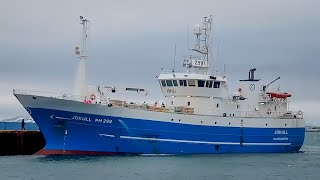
column 171, row 119
column 267, row 124
column 229, row 123
column 285, row 124
column 201, row 122
column 215, row 122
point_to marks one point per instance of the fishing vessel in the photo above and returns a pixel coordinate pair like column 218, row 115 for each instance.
column 198, row 114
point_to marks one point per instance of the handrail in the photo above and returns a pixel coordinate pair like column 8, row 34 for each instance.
column 60, row 95
column 220, row 113
column 33, row 92
column 167, row 71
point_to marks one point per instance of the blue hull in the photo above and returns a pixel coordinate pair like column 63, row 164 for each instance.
column 68, row 132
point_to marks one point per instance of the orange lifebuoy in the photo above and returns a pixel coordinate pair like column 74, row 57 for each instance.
column 269, row 111
column 92, row 97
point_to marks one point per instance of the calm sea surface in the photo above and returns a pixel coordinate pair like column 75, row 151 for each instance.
column 304, row 165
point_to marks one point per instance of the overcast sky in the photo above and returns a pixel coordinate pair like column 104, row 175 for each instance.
column 131, row 40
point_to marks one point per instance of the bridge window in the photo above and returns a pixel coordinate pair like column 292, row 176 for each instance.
column 216, row 84
column 192, row 82
column 209, row 84
column 169, row 83
column 201, row 83
column 175, row 83
column 163, row 82
column 183, row 82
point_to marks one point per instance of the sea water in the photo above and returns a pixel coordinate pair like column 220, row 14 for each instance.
column 303, row 165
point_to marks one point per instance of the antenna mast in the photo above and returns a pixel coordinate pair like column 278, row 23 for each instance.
column 202, row 47
column 82, row 54
column 174, row 58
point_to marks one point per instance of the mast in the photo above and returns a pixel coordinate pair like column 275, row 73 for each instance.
column 81, row 88
column 200, row 61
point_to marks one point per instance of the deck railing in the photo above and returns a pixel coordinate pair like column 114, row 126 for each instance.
column 61, row 95
column 210, row 112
